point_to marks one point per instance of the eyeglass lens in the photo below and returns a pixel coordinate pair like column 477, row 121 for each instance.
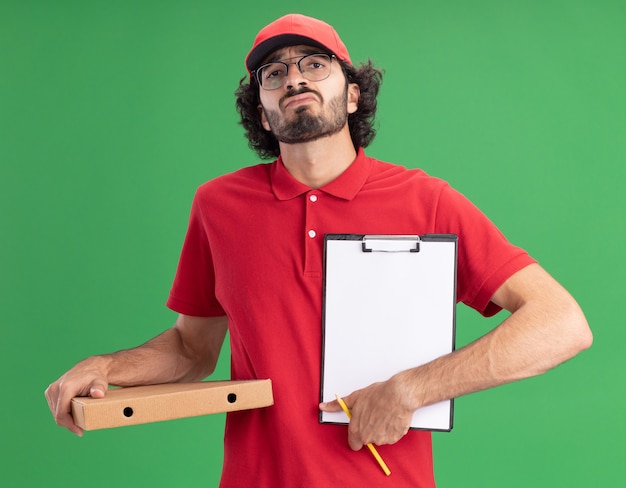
column 314, row 67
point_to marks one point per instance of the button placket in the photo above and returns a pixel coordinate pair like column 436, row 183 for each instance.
column 311, row 232
column 312, row 265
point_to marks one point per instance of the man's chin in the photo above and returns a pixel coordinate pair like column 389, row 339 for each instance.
column 305, row 137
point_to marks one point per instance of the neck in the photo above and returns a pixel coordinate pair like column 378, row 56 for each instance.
column 319, row 162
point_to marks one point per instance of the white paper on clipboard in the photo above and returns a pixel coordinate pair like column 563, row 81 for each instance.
column 389, row 305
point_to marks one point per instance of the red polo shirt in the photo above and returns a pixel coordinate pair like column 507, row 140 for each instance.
column 253, row 251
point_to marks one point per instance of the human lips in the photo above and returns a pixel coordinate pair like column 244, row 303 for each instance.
column 299, row 99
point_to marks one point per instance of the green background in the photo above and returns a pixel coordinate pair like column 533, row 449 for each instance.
column 113, row 112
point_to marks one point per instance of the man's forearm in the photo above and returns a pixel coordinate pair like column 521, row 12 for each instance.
column 539, row 335
column 156, row 361
column 186, row 352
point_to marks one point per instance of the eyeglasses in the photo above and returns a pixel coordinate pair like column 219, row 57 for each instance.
column 314, row 67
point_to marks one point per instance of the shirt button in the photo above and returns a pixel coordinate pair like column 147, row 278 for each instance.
column 313, row 198
column 312, row 234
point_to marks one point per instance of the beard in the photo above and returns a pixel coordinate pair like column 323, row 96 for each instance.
column 307, row 127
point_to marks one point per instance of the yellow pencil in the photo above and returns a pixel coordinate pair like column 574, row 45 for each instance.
column 370, row 446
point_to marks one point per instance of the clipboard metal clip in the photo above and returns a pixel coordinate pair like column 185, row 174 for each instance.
column 399, row 243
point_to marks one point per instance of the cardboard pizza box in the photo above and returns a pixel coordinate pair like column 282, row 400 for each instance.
column 155, row 403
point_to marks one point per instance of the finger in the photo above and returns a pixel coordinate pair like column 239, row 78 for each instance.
column 332, row 406
column 351, row 399
column 63, row 409
column 50, row 397
column 98, row 390
column 63, row 417
column 354, row 440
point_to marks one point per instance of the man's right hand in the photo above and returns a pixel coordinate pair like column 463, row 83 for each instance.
column 87, row 378
column 186, row 352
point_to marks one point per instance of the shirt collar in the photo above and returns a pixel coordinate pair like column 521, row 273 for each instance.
column 345, row 186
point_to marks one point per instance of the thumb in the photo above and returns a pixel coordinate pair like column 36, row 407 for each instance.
column 332, row 406
column 98, row 390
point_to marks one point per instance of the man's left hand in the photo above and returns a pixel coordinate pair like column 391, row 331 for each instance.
column 380, row 414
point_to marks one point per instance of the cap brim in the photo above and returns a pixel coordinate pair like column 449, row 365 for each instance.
column 263, row 50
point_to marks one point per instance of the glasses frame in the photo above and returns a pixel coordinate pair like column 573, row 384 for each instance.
column 257, row 72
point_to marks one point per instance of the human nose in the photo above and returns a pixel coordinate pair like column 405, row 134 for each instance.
column 294, row 76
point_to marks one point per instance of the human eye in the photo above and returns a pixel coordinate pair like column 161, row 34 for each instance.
column 315, row 62
column 274, row 70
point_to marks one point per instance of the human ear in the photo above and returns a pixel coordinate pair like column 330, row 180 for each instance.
column 354, row 93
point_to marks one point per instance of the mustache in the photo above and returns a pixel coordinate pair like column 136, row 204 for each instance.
column 300, row 91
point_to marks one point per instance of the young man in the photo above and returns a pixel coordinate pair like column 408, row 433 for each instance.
column 253, row 253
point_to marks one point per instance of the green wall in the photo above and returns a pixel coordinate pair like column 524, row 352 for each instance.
column 112, row 112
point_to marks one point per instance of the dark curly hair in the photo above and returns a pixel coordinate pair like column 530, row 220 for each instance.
column 361, row 123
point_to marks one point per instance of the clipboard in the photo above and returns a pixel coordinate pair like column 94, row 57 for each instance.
column 389, row 305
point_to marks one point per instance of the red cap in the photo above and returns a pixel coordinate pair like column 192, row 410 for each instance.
column 291, row 30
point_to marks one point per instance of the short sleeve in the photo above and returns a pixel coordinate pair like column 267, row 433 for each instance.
column 193, row 289
column 486, row 259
